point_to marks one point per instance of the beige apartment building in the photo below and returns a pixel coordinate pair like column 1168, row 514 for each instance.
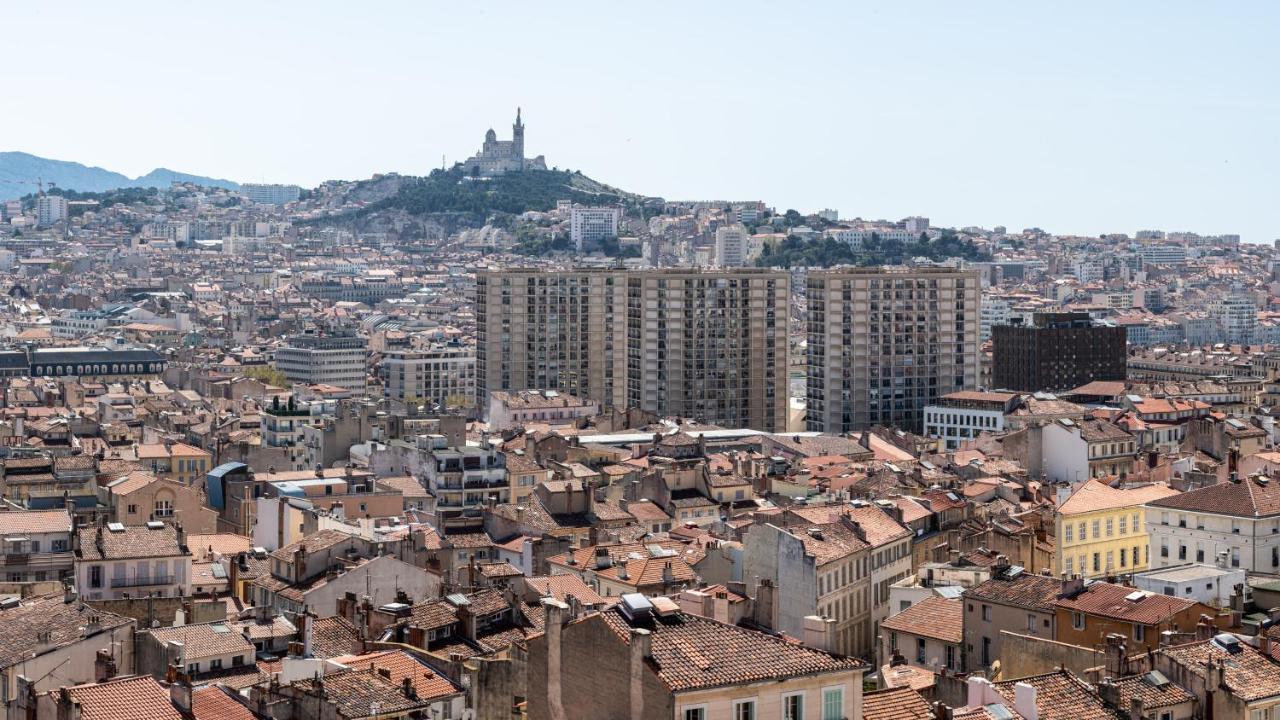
column 883, row 343
column 706, row 344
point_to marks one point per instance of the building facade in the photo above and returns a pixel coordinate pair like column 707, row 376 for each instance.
column 884, row 343
column 593, row 224
column 704, row 344
column 337, row 360
column 444, row 375
column 1057, row 351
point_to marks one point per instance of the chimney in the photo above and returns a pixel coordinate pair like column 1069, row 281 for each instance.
column 1024, row 701
column 554, row 610
column 720, row 607
column 1001, row 568
column 641, row 651
column 764, row 610
column 1205, row 629
column 818, row 632
column 1117, row 661
column 1135, row 708
column 1071, row 586
column 406, row 688
column 180, row 694
column 1109, row 691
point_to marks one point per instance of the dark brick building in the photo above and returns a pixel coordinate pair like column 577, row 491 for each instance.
column 1057, row 351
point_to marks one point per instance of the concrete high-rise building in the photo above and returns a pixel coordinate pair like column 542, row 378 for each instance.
column 593, row 224
column 706, row 344
column 885, row 342
column 1057, row 351
column 271, row 193
column 732, row 246
column 916, row 225
column 50, row 210
column 444, row 374
column 1236, row 315
column 337, row 360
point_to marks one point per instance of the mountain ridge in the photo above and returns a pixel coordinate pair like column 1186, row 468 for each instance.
column 19, row 171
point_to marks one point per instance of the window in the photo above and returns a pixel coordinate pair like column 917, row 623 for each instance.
column 986, row 613
column 1069, row 533
column 696, row 713
column 1096, row 525
column 792, row 707
column 951, row 656
column 744, row 710
column 1124, row 555
column 920, row 651
column 1083, row 534
column 1097, row 562
column 1070, row 567
column 1110, row 526
column 95, row 576
column 832, row 703
column 1124, row 524
column 133, row 509
column 1139, row 632
column 164, row 508
column 1077, row 620
column 1031, row 623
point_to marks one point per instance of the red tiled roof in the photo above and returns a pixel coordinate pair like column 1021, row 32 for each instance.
column 1109, row 600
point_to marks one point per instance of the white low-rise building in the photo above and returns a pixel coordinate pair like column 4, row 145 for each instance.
column 1209, row 584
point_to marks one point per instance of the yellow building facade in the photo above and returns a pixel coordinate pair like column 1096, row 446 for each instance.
column 1101, row 530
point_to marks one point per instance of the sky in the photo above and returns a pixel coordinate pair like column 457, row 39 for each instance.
column 1081, row 117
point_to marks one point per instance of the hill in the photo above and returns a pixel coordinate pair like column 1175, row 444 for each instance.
column 19, row 170
column 452, row 191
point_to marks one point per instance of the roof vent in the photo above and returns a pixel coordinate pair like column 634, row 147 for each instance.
column 636, row 608
column 1229, row 643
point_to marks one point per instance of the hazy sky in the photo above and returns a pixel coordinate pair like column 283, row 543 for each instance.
column 1076, row 117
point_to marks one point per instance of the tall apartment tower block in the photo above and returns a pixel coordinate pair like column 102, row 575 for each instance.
column 885, row 342
column 705, row 344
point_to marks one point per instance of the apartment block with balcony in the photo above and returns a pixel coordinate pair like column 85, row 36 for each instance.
column 36, row 545
column 114, row 560
column 463, row 480
column 704, row 344
column 884, row 343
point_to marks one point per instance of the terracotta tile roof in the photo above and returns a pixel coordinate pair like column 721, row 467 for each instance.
column 908, row 676
column 332, row 636
column 1247, row 498
column 1248, row 674
column 124, row 699
column 428, row 684
column 901, row 703
column 203, row 545
column 206, row 640
column 562, row 586
column 22, row 522
column 21, row 626
column 1152, row 696
column 934, row 617
column 1096, row 495
column 1060, row 695
column 354, row 693
column 311, row 543
column 586, row 557
column 213, row 703
column 1109, row 600
column 691, row 652
column 1030, row 591
column 134, row 541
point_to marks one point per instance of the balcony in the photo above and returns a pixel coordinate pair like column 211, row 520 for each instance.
column 146, row 581
column 38, row 560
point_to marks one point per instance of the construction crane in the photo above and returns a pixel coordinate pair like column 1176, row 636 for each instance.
column 38, row 182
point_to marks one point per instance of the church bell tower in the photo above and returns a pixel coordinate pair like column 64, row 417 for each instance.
column 517, row 137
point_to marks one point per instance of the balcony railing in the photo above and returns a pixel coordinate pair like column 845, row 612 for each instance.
column 36, row 560
column 142, row 581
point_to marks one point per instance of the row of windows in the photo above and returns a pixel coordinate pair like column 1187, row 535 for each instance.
column 793, row 707
column 1069, row 530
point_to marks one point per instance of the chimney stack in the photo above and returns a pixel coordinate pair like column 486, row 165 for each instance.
column 641, row 651
column 1024, row 701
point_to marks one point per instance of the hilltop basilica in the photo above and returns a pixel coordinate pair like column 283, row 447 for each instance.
column 502, row 156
